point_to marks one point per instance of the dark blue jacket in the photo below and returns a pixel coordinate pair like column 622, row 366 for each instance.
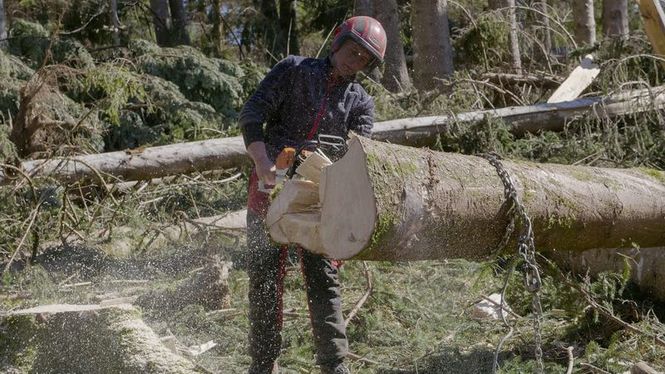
column 290, row 98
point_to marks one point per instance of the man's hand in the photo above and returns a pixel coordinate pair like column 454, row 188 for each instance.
column 265, row 168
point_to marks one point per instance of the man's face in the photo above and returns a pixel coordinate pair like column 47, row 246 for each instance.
column 350, row 59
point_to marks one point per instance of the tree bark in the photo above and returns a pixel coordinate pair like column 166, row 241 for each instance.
column 615, row 18
column 91, row 338
column 415, row 204
column 3, row 26
column 223, row 153
column 363, row 8
column 179, row 33
column 395, row 74
column 516, row 59
column 547, row 31
column 115, row 21
column 160, row 20
column 585, row 22
column 290, row 44
column 216, row 34
column 433, row 53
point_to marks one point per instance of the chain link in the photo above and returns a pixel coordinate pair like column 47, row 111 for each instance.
column 526, row 250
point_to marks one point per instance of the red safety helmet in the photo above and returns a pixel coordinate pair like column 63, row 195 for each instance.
column 367, row 32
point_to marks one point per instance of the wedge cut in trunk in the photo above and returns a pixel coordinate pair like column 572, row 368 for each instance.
column 390, row 202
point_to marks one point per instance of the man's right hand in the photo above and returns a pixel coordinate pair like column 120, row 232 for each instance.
column 265, row 168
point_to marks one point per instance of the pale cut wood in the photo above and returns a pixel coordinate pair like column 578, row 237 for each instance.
column 310, row 169
column 579, row 79
column 654, row 24
column 390, row 202
column 298, row 196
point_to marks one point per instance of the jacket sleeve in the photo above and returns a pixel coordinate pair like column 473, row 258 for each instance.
column 264, row 101
column 362, row 116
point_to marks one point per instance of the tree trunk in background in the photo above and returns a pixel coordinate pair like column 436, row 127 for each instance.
column 433, row 52
column 516, row 60
column 288, row 31
column 395, row 73
column 363, row 8
column 3, row 26
column 114, row 20
column 615, row 18
column 160, row 18
column 179, row 34
column 216, row 33
column 547, row 32
column 496, row 4
column 585, row 23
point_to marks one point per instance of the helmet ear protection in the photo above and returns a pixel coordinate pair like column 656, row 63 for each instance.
column 366, row 32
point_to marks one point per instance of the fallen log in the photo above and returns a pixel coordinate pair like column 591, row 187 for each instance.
column 389, row 202
column 523, row 119
column 84, row 339
column 647, row 265
column 155, row 162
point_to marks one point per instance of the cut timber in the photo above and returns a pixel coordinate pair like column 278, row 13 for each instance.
column 389, row 202
column 84, row 339
column 653, row 15
column 224, row 153
column 578, row 80
column 300, row 197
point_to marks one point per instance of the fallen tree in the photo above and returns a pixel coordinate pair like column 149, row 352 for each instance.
column 388, row 202
column 155, row 162
column 84, row 339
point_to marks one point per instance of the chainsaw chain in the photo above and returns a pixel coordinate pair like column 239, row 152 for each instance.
column 526, row 250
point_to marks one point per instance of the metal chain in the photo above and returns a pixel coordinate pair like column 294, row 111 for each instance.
column 526, row 249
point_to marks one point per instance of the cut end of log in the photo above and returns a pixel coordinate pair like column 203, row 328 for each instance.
column 332, row 212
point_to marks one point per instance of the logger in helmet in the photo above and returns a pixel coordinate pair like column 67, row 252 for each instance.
column 299, row 99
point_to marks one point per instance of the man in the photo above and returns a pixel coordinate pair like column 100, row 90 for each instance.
column 298, row 99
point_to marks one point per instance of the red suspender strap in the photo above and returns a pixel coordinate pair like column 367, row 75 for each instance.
column 322, row 111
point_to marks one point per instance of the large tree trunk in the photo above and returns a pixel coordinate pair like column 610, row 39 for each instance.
column 160, row 19
column 223, row 153
column 179, row 33
column 389, row 202
column 433, row 53
column 615, row 18
column 585, row 22
column 216, row 33
column 395, row 74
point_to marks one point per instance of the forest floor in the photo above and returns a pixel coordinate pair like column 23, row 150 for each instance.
column 419, row 317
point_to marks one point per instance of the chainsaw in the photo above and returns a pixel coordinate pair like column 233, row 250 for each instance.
column 329, row 147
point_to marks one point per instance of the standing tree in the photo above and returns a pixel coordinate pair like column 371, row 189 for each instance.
column 615, row 18
column 516, row 60
column 585, row 23
column 170, row 20
column 160, row 19
column 395, row 74
column 363, row 8
column 216, row 35
column 3, row 26
column 433, row 52
column 114, row 20
column 287, row 27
